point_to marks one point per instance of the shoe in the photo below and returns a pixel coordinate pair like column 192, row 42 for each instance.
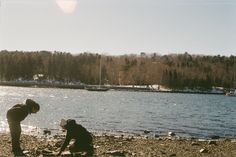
column 19, row 154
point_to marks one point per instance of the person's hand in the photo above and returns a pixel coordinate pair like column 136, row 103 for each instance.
column 59, row 154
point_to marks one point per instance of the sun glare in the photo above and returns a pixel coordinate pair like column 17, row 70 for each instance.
column 67, row 6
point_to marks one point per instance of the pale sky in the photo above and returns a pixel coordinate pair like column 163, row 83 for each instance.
column 118, row 27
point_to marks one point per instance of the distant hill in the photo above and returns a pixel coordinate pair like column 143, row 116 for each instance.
column 175, row 71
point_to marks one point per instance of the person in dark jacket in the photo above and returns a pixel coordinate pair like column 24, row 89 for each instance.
column 15, row 115
column 83, row 138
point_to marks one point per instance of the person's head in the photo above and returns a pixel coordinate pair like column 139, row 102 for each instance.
column 65, row 124
column 33, row 106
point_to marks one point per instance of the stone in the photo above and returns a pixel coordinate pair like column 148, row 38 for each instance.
column 46, row 151
column 171, row 134
column 58, row 143
column 203, row 150
column 66, row 153
column 214, row 137
column 47, row 132
column 202, row 140
column 194, row 144
column 146, row 131
column 116, row 152
column 133, row 154
column 142, row 153
column 233, row 141
column 162, row 152
column 212, row 142
column 26, row 152
column 129, row 138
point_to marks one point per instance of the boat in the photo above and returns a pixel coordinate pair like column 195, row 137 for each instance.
column 95, row 88
column 98, row 87
column 231, row 93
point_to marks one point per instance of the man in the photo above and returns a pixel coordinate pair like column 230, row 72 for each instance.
column 83, row 139
column 15, row 115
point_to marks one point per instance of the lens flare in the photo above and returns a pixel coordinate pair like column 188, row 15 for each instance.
column 67, row 6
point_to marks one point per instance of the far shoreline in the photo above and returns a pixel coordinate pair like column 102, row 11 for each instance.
column 33, row 84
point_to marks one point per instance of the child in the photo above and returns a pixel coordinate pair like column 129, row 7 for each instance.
column 15, row 115
column 83, row 139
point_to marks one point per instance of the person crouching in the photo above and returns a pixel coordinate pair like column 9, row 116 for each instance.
column 83, row 138
column 15, row 115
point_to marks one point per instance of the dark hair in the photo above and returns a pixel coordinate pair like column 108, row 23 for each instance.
column 32, row 104
column 70, row 123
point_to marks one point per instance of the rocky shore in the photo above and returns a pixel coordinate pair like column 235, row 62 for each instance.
column 110, row 145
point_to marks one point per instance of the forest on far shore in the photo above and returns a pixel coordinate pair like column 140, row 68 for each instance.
column 175, row 71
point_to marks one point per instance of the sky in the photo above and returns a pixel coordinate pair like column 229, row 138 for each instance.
column 117, row 27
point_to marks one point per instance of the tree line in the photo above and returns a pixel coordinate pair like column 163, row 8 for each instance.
column 175, row 71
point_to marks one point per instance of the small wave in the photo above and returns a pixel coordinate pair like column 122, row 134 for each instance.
column 27, row 129
column 3, row 126
column 30, row 129
column 3, row 93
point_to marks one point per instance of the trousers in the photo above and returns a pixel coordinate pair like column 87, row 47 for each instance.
column 15, row 130
column 77, row 147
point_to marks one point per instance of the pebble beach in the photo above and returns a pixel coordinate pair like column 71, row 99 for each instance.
column 120, row 145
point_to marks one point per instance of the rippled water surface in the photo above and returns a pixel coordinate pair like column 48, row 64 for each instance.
column 129, row 112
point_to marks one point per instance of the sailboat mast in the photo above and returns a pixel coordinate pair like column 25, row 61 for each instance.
column 234, row 73
column 100, row 71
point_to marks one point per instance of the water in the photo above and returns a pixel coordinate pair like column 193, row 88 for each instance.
column 126, row 112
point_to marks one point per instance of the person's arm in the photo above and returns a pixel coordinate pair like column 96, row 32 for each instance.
column 66, row 142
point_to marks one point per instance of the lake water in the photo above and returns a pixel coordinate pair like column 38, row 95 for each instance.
column 126, row 112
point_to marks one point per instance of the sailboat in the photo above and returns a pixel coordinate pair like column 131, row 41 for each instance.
column 99, row 87
column 232, row 92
